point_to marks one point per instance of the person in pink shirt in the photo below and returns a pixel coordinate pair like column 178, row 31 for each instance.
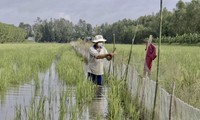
column 150, row 56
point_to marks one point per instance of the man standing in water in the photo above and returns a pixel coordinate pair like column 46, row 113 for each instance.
column 97, row 53
column 150, row 56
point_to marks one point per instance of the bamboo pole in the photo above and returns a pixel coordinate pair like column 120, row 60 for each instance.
column 114, row 48
column 158, row 62
column 113, row 60
column 130, row 53
column 109, row 69
column 122, row 61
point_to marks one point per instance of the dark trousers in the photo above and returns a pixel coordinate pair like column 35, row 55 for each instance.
column 97, row 79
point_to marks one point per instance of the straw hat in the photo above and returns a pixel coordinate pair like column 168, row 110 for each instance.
column 98, row 38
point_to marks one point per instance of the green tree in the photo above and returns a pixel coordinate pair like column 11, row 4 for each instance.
column 27, row 28
column 179, row 18
column 193, row 16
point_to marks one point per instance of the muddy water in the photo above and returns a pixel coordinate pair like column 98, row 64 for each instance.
column 51, row 89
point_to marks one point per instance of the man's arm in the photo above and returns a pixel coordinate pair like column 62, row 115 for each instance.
column 102, row 56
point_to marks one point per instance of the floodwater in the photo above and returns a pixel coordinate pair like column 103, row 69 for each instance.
column 18, row 98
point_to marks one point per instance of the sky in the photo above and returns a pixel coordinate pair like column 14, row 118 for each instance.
column 95, row 12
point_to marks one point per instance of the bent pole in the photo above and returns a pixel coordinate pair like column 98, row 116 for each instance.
column 130, row 53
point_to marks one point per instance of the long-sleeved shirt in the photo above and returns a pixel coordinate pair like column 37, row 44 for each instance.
column 95, row 65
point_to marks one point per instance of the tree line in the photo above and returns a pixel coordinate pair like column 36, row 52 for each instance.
column 179, row 26
column 10, row 33
column 60, row 30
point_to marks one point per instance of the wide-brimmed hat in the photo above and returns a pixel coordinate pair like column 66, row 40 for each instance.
column 98, row 38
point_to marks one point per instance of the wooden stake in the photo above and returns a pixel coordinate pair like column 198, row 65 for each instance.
column 113, row 60
column 172, row 95
column 158, row 62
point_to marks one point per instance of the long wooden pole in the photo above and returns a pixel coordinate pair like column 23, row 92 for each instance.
column 158, row 62
column 113, row 56
column 130, row 53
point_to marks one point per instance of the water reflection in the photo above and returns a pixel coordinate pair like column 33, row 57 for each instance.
column 57, row 96
column 50, row 89
column 98, row 106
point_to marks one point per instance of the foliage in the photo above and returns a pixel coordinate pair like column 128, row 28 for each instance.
column 191, row 38
column 27, row 28
column 60, row 30
column 182, row 21
column 10, row 33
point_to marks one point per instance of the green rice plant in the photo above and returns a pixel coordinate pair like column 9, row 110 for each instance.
column 115, row 108
column 63, row 105
column 131, row 107
column 85, row 91
column 69, row 67
column 179, row 64
column 19, row 63
column 36, row 110
column 73, row 113
column 18, row 115
column 121, row 105
column 70, row 70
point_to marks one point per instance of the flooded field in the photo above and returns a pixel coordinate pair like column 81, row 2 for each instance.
column 19, row 102
column 49, row 82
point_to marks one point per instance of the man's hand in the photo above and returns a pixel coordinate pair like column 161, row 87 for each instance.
column 110, row 56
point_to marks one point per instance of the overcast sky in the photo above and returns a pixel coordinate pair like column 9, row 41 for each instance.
column 94, row 12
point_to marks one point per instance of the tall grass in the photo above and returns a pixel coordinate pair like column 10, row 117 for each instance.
column 178, row 64
column 121, row 105
column 20, row 63
column 71, row 71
